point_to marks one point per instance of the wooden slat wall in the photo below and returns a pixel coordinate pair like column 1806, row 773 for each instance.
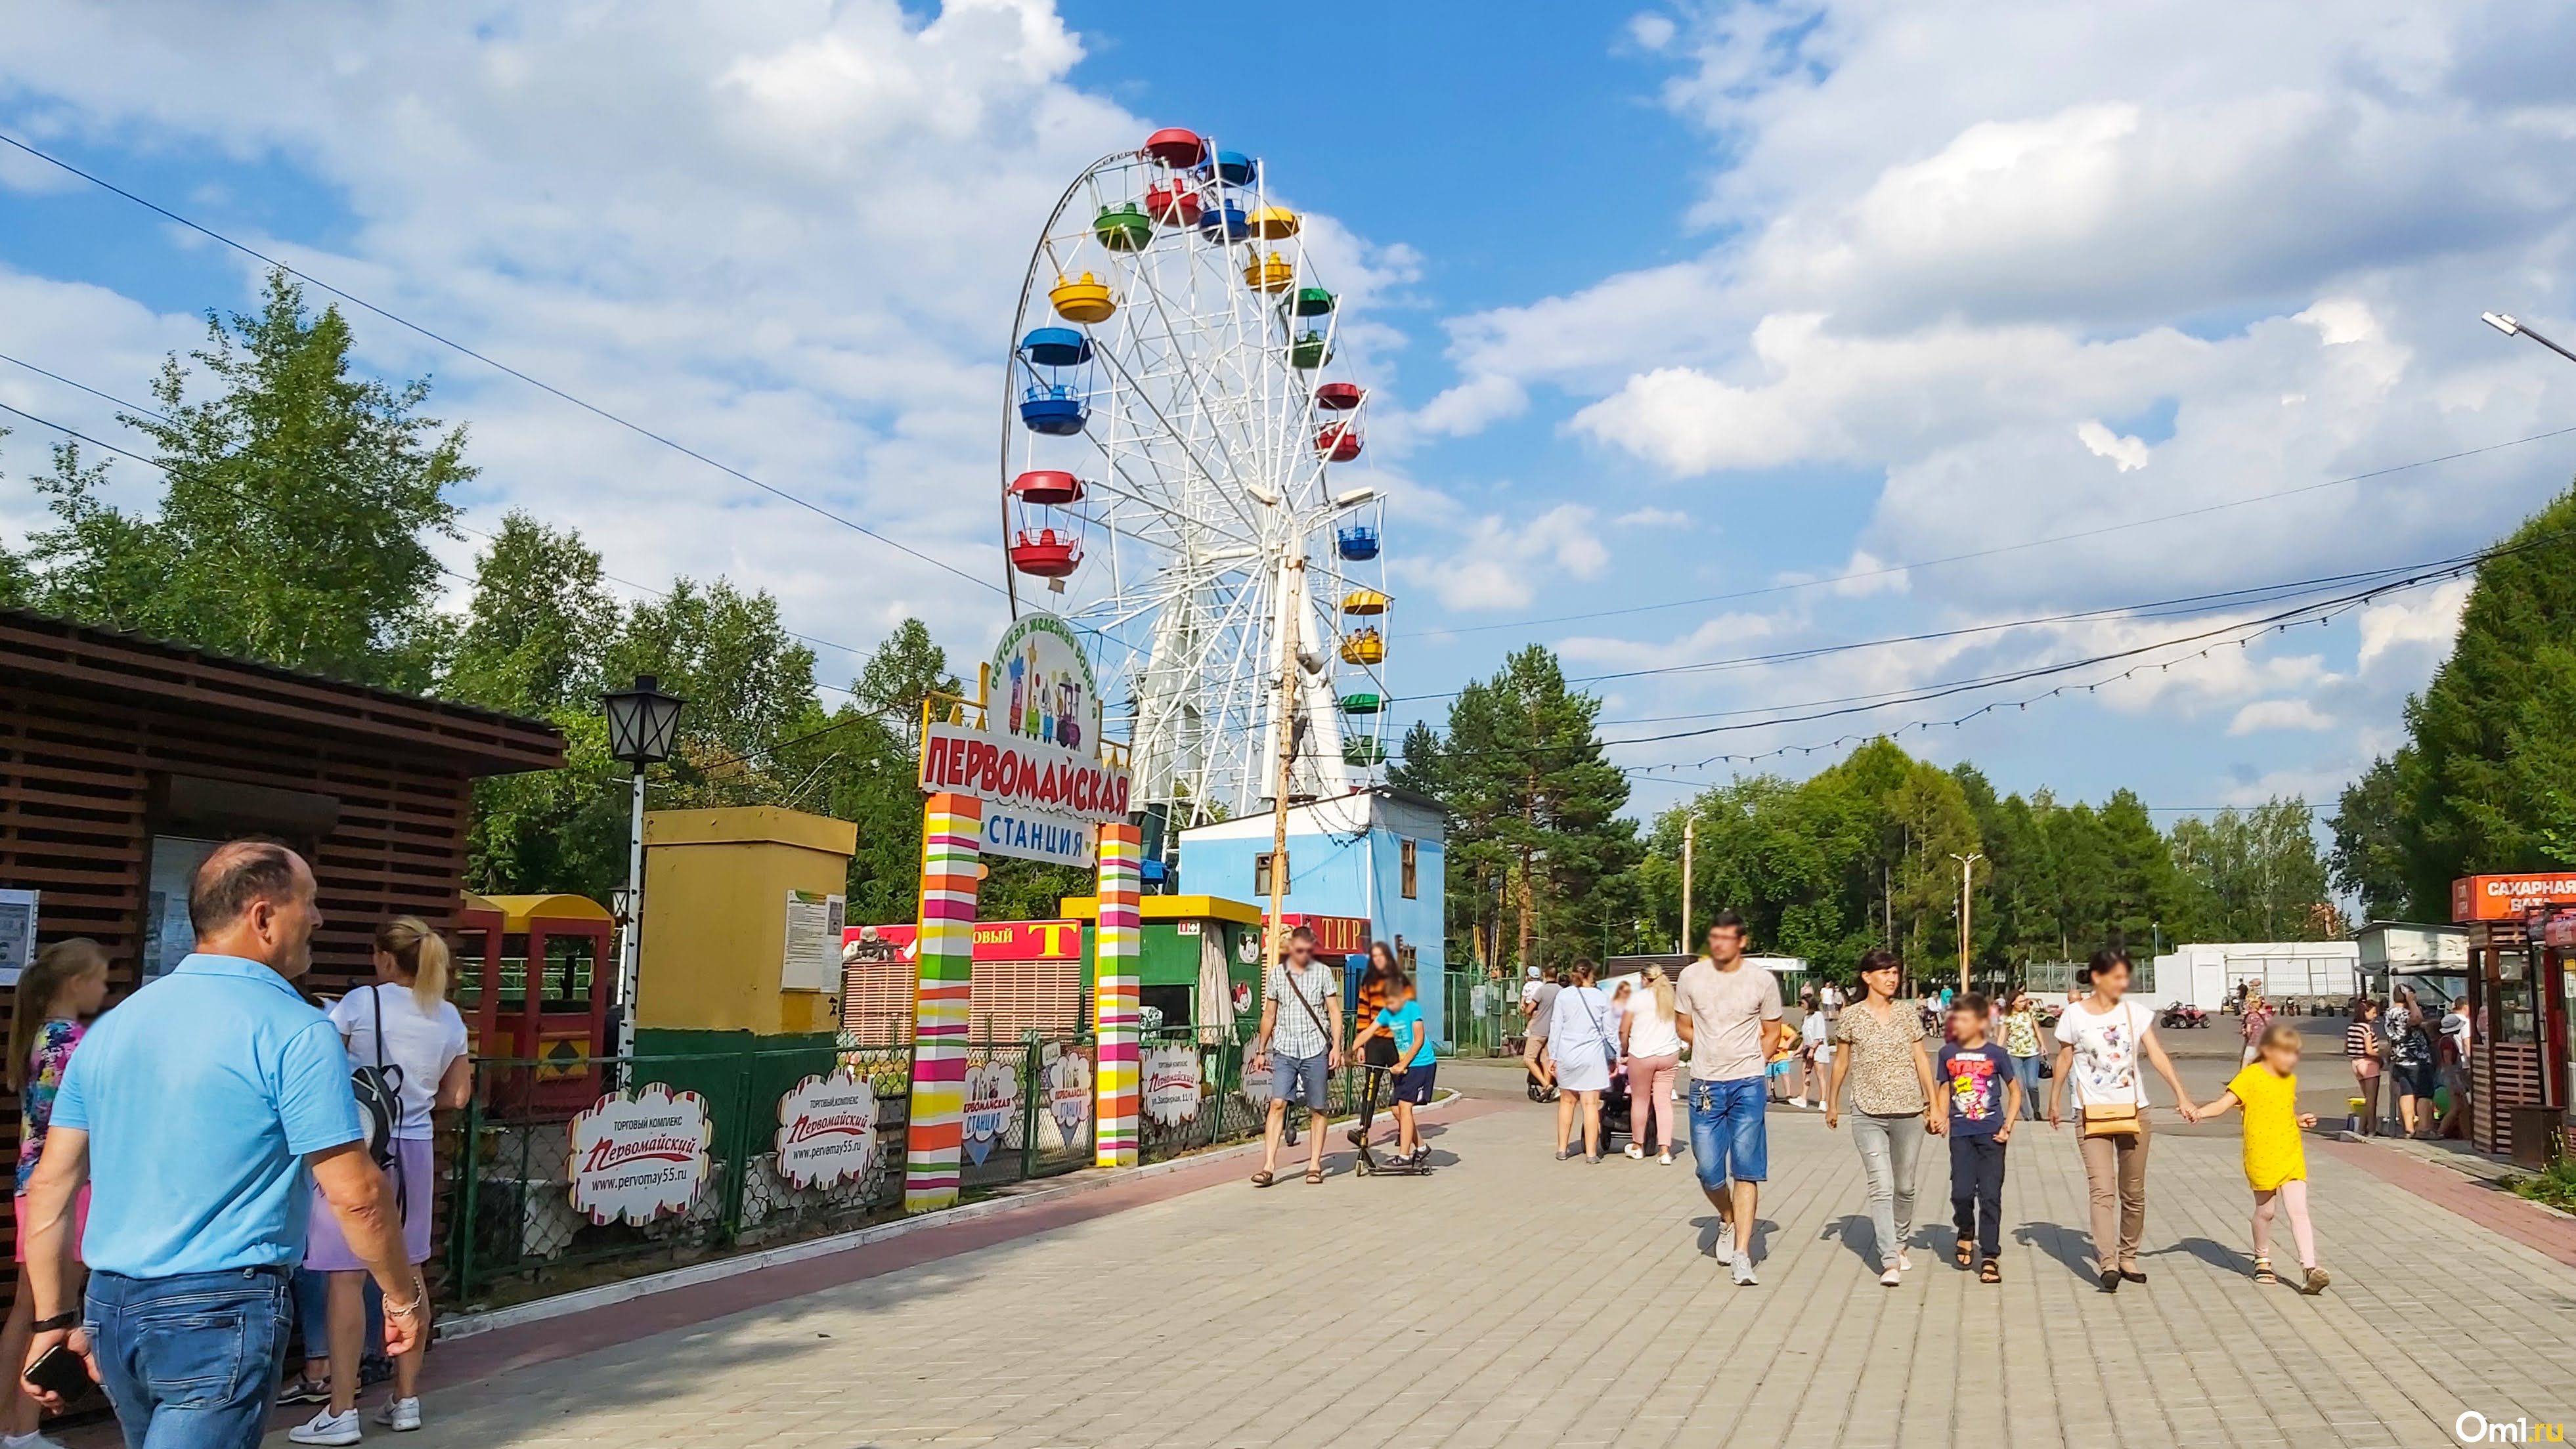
column 87, row 719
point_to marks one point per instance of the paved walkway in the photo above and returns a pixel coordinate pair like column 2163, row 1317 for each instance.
column 1510, row 1299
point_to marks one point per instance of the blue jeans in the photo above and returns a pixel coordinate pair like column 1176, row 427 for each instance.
column 2026, row 1072
column 313, row 1314
column 1728, row 1132
column 190, row 1362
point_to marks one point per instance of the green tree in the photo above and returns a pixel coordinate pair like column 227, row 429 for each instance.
column 293, row 521
column 2253, row 875
column 537, row 624
column 2492, row 773
column 903, row 673
column 2370, row 836
column 1533, row 799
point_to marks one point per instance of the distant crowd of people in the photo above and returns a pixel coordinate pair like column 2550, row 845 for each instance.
column 1954, row 1066
column 219, row 1163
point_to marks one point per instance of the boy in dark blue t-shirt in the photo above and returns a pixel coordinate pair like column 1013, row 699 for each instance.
column 1984, row 1097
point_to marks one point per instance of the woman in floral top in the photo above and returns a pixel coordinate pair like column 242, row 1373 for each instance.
column 1891, row 1077
column 2020, row 1038
column 67, row 983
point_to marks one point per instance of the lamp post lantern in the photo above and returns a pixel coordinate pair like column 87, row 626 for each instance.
column 1967, row 873
column 643, row 724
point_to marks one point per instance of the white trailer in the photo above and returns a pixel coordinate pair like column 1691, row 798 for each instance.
column 2207, row 976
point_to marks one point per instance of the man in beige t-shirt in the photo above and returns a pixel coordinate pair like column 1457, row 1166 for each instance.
column 1728, row 1010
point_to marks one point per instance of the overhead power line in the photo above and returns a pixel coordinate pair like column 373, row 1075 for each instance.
column 1889, row 569
column 154, row 413
column 260, row 503
column 499, row 366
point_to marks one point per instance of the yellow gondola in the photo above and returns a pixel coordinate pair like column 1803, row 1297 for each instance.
column 1274, row 223
column 1085, row 301
column 1270, row 272
column 1363, row 601
column 1367, row 646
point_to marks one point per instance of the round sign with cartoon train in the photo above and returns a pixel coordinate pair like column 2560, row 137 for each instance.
column 1043, row 688
column 827, row 1130
column 1064, row 1074
column 992, row 1102
column 641, row 1157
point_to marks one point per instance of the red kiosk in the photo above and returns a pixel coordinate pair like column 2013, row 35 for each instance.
column 2522, row 937
column 560, row 1023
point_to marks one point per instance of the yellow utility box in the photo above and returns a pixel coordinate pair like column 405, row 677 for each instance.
column 742, row 920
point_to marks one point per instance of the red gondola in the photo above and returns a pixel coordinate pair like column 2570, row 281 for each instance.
column 1172, row 204
column 1176, row 147
column 1047, row 486
column 1338, row 443
column 1045, row 556
column 1338, row 397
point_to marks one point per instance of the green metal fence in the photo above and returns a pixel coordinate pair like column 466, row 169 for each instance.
column 1195, row 1094
column 1488, row 1032
column 541, row 1192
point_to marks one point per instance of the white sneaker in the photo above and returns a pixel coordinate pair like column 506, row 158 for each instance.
column 400, row 1415
column 1636, row 1152
column 1725, row 1244
column 1744, row 1272
column 1904, row 1261
column 1798, row 1102
column 326, row 1427
column 1891, row 1279
column 1666, row 1159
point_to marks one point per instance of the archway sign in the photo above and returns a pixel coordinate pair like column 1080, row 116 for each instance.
column 1019, row 770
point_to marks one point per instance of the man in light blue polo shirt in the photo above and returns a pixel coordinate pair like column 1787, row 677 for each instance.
column 194, row 1110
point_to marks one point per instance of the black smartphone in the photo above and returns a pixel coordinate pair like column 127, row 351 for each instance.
column 60, row 1372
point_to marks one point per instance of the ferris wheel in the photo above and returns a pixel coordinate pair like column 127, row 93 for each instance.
column 1169, row 431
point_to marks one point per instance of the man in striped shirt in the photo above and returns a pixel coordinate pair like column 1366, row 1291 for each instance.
column 1300, row 1045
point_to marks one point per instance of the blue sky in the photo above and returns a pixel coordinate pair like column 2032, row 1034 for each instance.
column 1670, row 302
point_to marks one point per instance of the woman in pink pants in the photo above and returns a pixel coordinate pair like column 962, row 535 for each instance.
column 1653, row 1045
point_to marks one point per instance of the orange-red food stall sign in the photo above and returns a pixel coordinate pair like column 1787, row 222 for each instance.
column 2503, row 897
column 1334, row 935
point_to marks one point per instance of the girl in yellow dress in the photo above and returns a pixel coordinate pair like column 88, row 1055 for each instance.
column 2276, row 1165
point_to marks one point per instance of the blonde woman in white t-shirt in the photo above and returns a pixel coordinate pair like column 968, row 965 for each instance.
column 1652, row 1041
column 2100, row 1040
column 404, row 1020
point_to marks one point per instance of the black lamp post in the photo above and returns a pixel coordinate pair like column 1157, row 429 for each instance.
column 643, row 724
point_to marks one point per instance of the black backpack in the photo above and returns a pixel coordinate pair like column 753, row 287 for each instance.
column 379, row 1090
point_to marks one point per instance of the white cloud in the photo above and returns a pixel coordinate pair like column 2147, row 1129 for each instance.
column 1493, row 565
column 1653, row 518
column 1651, row 30
column 2278, row 714
column 2419, row 625
column 2130, row 453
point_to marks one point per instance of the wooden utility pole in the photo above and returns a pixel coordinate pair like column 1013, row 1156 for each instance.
column 1283, row 715
column 1967, row 872
column 1690, row 837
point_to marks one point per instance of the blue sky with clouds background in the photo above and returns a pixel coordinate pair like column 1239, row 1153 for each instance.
column 1663, row 304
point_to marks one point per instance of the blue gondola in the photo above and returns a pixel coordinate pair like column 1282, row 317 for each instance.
column 1055, row 411
column 1224, row 220
column 1359, row 544
column 1056, row 347
column 1231, row 167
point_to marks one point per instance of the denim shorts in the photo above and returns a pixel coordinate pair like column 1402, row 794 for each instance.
column 1413, row 1084
column 191, row 1361
column 1729, row 1135
column 1298, row 1079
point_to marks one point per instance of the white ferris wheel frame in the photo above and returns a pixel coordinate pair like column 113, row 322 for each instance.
column 1203, row 479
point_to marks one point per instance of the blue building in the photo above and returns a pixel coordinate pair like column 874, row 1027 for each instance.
column 1375, row 854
